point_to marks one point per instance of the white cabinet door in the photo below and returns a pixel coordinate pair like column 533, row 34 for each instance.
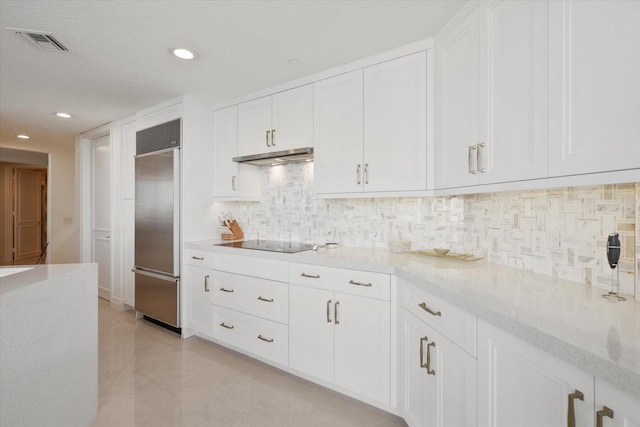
column 198, row 281
column 338, row 112
column 128, row 161
column 395, row 124
column 292, row 119
column 520, row 385
column 362, row 346
column 512, row 140
column 225, row 146
column 623, row 409
column 128, row 251
column 439, row 378
column 594, row 86
column 254, row 126
column 311, row 331
column 458, row 98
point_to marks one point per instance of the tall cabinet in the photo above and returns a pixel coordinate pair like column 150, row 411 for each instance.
column 491, row 95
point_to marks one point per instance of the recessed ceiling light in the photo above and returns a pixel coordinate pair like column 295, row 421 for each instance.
column 184, row 53
column 63, row 115
column 22, row 136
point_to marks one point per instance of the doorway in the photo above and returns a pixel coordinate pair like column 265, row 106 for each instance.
column 23, row 215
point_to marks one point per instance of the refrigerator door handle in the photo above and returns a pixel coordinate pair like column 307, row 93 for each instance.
column 154, row 275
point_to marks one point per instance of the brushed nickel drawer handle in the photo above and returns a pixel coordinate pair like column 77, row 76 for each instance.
column 226, row 326
column 366, row 173
column 604, row 412
column 329, row 311
column 422, row 341
column 358, row 175
column 353, row 282
column 268, row 138
column 423, row 305
column 273, row 137
column 226, row 290
column 197, row 258
column 335, row 312
column 471, row 169
column 478, row 159
column 233, row 183
column 571, row 412
column 206, row 283
column 310, row 276
column 265, row 299
column 260, row 337
column 429, row 370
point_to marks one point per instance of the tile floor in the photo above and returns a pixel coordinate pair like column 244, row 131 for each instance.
column 149, row 377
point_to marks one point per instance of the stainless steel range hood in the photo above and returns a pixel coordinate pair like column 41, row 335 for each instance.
column 278, row 157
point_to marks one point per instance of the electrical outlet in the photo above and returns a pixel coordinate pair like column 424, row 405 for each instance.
column 67, row 220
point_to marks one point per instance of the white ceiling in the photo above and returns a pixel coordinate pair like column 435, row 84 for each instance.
column 119, row 62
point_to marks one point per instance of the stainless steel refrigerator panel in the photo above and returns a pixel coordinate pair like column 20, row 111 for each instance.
column 158, row 297
column 157, row 214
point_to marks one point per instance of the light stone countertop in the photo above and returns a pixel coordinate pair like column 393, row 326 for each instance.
column 35, row 274
column 569, row 320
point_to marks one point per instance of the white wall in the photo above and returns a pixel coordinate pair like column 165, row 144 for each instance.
column 63, row 238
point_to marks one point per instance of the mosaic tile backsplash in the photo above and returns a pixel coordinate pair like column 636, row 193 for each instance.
column 558, row 232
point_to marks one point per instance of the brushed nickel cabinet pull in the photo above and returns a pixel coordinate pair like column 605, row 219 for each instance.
column 310, row 276
column 265, row 299
column 358, row 174
column 273, row 137
column 233, row 183
column 197, row 258
column 604, row 412
column 429, row 370
column 571, row 412
column 335, row 312
column 472, row 149
column 226, row 290
column 260, row 337
column 423, row 305
column 422, row 341
column 267, row 138
column 478, row 160
column 329, row 311
column 206, row 283
column 226, row 326
column 366, row 173
column 353, row 282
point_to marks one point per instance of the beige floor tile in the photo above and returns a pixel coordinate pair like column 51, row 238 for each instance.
column 148, row 376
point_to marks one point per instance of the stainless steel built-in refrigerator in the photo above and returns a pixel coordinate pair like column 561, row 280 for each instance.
column 157, row 225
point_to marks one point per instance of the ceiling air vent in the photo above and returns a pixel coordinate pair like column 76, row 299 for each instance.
column 43, row 41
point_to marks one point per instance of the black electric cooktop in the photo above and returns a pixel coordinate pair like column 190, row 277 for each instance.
column 269, row 245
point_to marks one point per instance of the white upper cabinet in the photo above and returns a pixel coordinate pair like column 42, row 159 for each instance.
column 338, row 118
column 594, row 86
column 277, row 122
column 225, row 146
column 492, row 96
column 371, row 129
column 395, row 125
column 128, row 159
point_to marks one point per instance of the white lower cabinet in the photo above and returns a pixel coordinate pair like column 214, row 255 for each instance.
column 198, row 282
column 342, row 339
column 615, row 408
column 521, row 385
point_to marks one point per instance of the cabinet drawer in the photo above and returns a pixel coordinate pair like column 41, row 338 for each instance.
column 260, row 337
column 258, row 297
column 251, row 266
column 198, row 258
column 354, row 282
column 452, row 322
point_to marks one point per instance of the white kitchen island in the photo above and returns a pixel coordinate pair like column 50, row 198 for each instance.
column 48, row 345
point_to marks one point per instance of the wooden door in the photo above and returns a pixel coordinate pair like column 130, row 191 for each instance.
column 28, row 220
